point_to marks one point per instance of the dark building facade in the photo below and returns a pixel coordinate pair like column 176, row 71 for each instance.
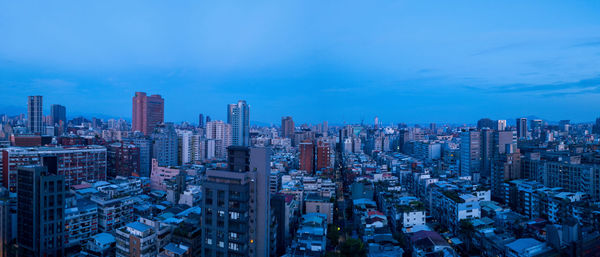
column 235, row 205
column 40, row 209
column 123, row 160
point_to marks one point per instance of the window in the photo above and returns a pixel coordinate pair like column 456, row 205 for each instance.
column 234, row 246
column 234, row 215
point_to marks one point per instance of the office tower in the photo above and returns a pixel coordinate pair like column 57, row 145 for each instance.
column 40, row 210
column 34, row 114
column 278, row 205
column 376, row 122
column 486, row 123
column 148, row 112
column 208, row 119
column 433, row 128
column 501, row 125
column 325, row 128
column 487, row 151
column 506, row 167
column 536, row 128
column 238, row 116
column 596, row 128
column 165, row 144
column 144, row 144
column 235, row 205
column 307, row 156
column 221, row 133
column 470, row 152
column 123, row 159
column 564, row 125
column 323, row 155
column 201, row 120
column 186, row 146
column 59, row 116
column 287, row 127
column 8, row 221
column 77, row 164
column 522, row 128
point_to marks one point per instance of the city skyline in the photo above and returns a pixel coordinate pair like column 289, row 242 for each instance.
column 402, row 62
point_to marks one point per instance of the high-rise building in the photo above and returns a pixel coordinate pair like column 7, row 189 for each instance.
column 596, row 128
column 201, row 120
column 238, row 116
column 323, row 155
column 144, row 144
column 307, row 156
column 208, row 119
column 221, row 133
column 8, row 222
column 148, row 112
column 536, row 128
column 287, row 127
column 59, row 116
column 486, row 123
column 522, row 128
column 40, row 210
column 487, row 151
column 470, row 152
column 123, row 159
column 235, row 205
column 77, row 164
column 35, row 114
column 165, row 145
column 501, row 125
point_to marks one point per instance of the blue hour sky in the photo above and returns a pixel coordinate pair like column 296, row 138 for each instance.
column 341, row 61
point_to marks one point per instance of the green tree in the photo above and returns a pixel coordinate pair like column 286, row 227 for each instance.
column 333, row 234
column 466, row 230
column 353, row 248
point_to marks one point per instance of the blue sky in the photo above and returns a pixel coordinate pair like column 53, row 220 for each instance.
column 341, row 61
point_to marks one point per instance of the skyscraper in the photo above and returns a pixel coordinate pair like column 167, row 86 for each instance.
column 201, row 120
column 221, row 133
column 596, row 128
column 307, row 156
column 34, row 114
column 522, row 128
column 323, row 155
column 148, row 112
column 166, row 145
column 501, row 125
column 486, row 123
column 238, row 116
column 235, row 205
column 470, row 152
column 59, row 116
column 287, row 127
column 40, row 209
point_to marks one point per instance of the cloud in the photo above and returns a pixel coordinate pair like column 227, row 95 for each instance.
column 591, row 85
column 501, row 48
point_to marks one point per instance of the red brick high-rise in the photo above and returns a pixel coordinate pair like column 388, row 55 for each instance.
column 148, row 111
column 307, row 156
column 323, row 155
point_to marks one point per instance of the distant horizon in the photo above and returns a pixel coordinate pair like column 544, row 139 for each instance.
column 510, row 121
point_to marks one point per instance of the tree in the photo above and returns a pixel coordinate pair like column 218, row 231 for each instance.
column 467, row 230
column 353, row 248
column 333, row 234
